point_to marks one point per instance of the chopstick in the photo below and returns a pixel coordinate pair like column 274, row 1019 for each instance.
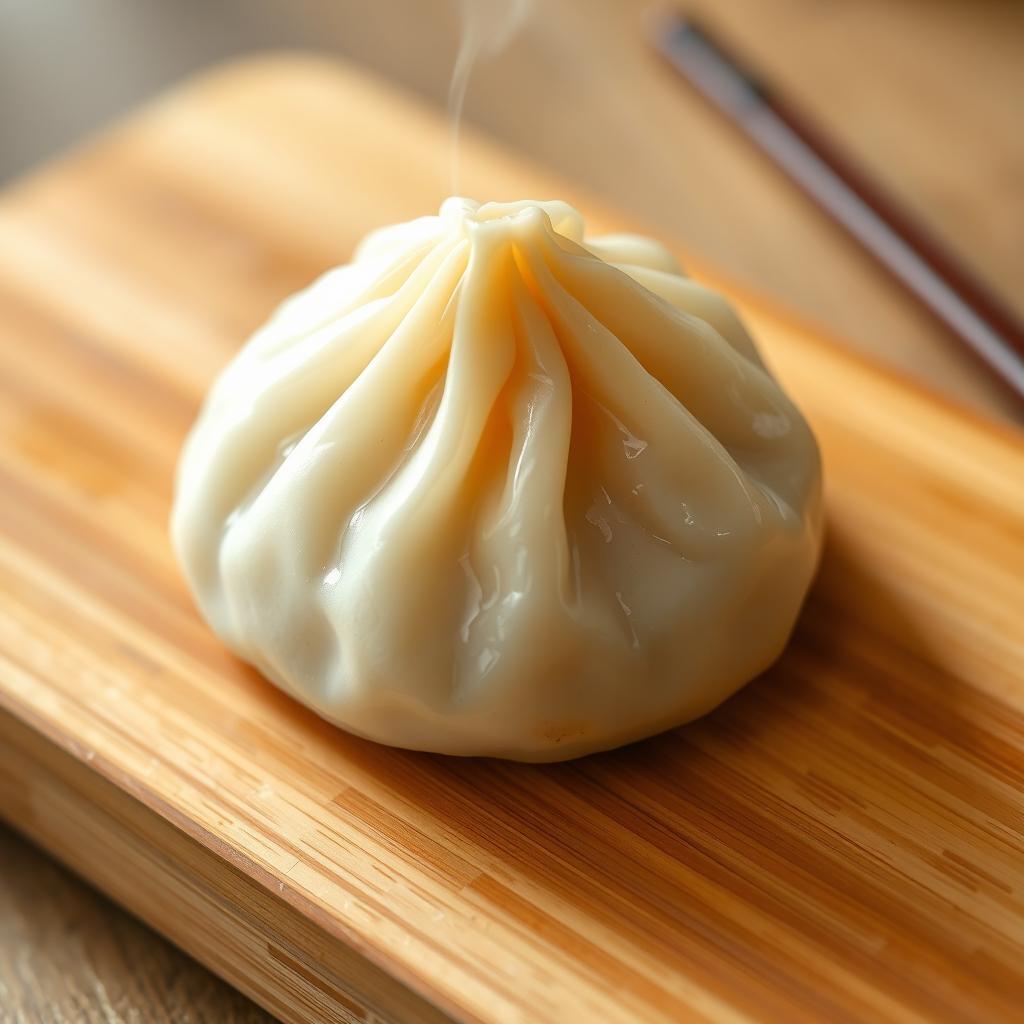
column 937, row 279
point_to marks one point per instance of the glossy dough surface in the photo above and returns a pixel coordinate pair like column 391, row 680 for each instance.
column 498, row 488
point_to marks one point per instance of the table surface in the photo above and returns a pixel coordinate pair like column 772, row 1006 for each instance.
column 923, row 95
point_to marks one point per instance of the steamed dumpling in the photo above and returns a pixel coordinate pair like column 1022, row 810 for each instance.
column 498, row 488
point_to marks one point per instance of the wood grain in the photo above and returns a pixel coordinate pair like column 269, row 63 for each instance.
column 68, row 957
column 841, row 841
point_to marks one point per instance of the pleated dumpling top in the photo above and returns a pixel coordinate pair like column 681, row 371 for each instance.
column 496, row 487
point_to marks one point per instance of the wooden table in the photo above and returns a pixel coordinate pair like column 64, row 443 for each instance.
column 926, row 102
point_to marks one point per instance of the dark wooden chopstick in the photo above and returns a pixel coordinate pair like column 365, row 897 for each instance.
column 943, row 284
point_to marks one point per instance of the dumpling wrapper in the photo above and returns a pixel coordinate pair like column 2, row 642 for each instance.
column 497, row 488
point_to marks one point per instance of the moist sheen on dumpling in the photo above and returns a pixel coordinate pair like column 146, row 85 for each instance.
column 498, row 488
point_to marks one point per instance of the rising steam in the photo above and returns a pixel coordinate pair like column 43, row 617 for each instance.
column 487, row 27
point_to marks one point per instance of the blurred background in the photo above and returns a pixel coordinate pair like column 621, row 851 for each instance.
column 927, row 94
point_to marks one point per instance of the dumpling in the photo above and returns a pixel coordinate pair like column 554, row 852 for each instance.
column 498, row 488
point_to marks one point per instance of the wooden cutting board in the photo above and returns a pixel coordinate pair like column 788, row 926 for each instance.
column 842, row 841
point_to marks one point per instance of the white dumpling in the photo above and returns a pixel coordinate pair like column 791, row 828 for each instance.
column 497, row 488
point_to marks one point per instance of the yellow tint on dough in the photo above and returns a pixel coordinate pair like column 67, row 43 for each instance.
column 497, row 488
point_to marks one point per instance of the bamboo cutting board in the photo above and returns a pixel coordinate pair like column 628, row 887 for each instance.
column 842, row 841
